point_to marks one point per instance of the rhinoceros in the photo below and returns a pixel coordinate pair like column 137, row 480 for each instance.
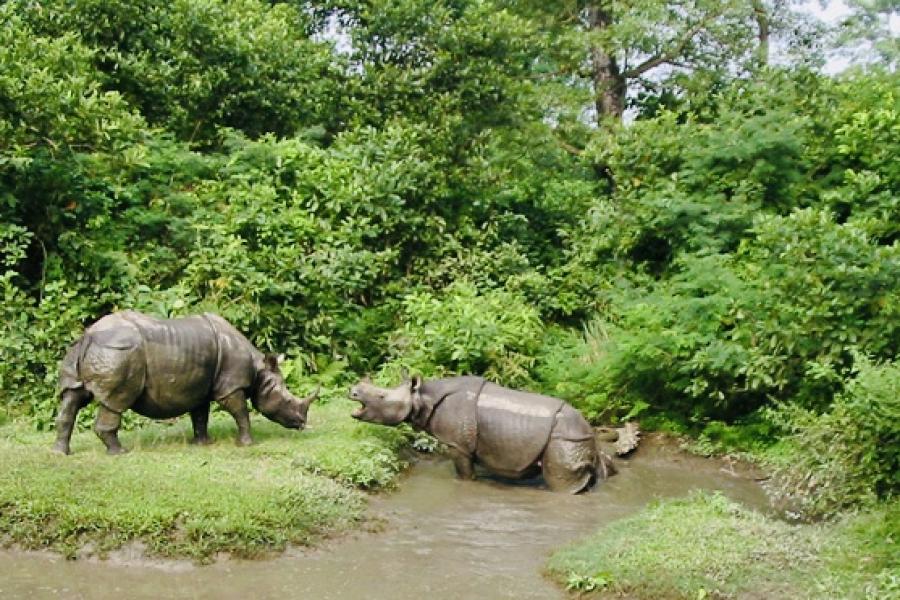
column 511, row 433
column 163, row 368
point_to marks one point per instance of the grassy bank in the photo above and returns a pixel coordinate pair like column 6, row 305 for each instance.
column 193, row 502
column 706, row 546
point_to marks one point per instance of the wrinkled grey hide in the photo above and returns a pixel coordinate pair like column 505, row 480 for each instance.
column 163, row 368
column 511, row 433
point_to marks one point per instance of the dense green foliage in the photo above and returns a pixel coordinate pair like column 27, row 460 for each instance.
column 847, row 456
column 464, row 331
column 371, row 185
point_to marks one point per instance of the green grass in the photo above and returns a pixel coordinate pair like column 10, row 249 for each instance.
column 194, row 502
column 706, row 546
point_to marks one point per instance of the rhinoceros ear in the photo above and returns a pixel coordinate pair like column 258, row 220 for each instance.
column 415, row 384
column 404, row 373
column 271, row 361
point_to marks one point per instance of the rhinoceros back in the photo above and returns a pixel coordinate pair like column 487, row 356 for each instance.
column 182, row 358
column 513, row 428
column 159, row 367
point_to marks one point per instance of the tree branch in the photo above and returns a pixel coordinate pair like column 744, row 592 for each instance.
column 569, row 147
column 680, row 44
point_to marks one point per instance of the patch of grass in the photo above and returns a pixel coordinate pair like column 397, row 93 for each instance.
column 860, row 556
column 193, row 502
column 750, row 438
column 706, row 546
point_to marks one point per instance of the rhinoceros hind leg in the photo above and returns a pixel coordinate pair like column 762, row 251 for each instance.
column 72, row 401
column 199, row 420
column 569, row 466
column 106, row 426
column 236, row 405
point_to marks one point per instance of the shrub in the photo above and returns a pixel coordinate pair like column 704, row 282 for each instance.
column 191, row 66
column 847, row 456
column 573, row 365
column 467, row 331
column 725, row 333
column 33, row 337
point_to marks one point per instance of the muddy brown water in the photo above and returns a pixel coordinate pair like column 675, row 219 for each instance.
column 442, row 539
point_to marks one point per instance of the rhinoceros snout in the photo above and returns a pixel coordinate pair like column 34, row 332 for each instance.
column 293, row 422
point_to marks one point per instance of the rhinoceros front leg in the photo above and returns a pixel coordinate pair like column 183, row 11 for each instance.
column 462, row 462
column 72, row 401
column 200, row 420
column 106, row 426
column 236, row 404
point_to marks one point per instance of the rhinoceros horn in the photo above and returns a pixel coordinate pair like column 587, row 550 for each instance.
column 312, row 397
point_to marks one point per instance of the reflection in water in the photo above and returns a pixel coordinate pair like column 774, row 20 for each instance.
column 443, row 538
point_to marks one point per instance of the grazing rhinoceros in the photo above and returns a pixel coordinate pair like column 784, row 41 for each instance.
column 162, row 368
column 511, row 433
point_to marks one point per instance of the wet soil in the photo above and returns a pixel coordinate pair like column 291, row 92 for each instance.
column 441, row 538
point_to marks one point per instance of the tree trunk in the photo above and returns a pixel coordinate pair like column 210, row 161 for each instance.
column 762, row 24
column 609, row 83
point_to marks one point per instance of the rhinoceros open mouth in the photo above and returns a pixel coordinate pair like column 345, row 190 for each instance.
column 360, row 410
column 355, row 395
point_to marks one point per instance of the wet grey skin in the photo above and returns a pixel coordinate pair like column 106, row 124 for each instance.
column 512, row 434
column 163, row 368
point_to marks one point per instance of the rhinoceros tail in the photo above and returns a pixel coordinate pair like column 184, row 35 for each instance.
column 69, row 378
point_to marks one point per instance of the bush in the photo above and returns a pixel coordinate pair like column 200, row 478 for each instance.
column 574, row 366
column 32, row 341
column 192, row 66
column 736, row 251
column 466, row 331
column 725, row 333
column 847, row 456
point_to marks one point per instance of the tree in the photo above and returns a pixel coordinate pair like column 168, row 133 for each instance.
column 650, row 45
column 867, row 31
column 194, row 66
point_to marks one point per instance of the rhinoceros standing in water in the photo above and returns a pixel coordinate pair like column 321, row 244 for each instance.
column 162, row 368
column 512, row 434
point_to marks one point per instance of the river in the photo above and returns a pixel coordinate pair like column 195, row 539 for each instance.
column 440, row 539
